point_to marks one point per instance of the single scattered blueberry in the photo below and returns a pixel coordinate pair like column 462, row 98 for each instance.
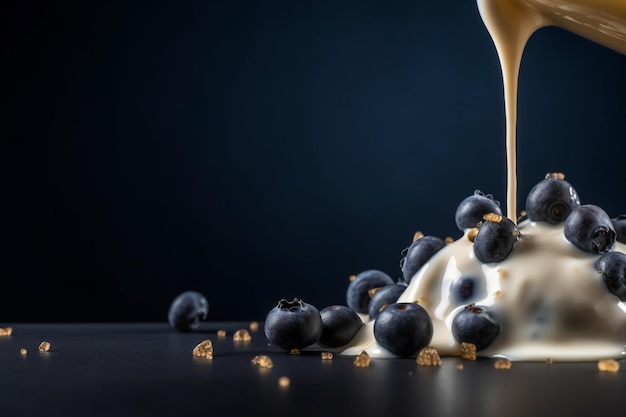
column 187, row 310
column 495, row 239
column 339, row 325
column 475, row 324
column 403, row 328
column 468, row 289
column 293, row 324
column 385, row 296
column 551, row 200
column 612, row 268
column 472, row 209
column 619, row 224
column 418, row 253
column 357, row 295
column 589, row 228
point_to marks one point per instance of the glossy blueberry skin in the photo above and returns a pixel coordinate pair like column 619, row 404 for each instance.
column 468, row 289
column 495, row 240
column 612, row 268
column 293, row 324
column 187, row 310
column 403, row 328
column 357, row 295
column 339, row 325
column 589, row 228
column 388, row 294
column 475, row 324
column 551, row 200
column 619, row 224
column 416, row 255
column 472, row 209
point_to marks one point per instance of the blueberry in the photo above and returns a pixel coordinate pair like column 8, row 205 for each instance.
column 293, row 324
column 357, row 295
column 187, row 310
column 612, row 267
column 495, row 238
column 468, row 289
column 418, row 253
column 403, row 328
column 475, row 324
column 589, row 228
column 473, row 208
column 551, row 200
column 387, row 295
column 339, row 325
column 619, row 224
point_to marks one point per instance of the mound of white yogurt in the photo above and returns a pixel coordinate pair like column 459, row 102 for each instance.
column 550, row 300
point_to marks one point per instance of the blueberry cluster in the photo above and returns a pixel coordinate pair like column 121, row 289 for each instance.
column 405, row 328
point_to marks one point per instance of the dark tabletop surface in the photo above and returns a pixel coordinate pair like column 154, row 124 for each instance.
column 147, row 369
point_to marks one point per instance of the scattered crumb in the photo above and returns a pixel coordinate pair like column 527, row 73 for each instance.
column 468, row 351
column 549, row 361
column 502, row 364
column 449, row 239
column 417, row 235
column 608, row 365
column 254, row 326
column 23, row 351
column 283, row 382
column 459, row 366
column 326, row 355
column 372, row 291
column 263, row 361
column 499, row 293
column 295, row 351
column 502, row 273
column 6, row 331
column 221, row 333
column 471, row 235
column 44, row 346
column 204, row 349
column 352, row 277
column 362, row 360
column 428, row 357
column 242, row 335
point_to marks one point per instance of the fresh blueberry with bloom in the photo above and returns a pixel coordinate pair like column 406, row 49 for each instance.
column 339, row 325
column 403, row 328
column 551, row 200
column 293, row 324
column 418, row 253
column 475, row 324
column 495, row 239
column 472, row 209
column 187, row 310
column 468, row 289
column 385, row 296
column 589, row 228
column 358, row 293
column 612, row 269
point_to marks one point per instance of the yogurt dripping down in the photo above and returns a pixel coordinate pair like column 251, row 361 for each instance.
column 551, row 301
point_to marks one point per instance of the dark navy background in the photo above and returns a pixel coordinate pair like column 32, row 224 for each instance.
column 254, row 151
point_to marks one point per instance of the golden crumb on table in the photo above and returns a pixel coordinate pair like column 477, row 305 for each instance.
column 221, row 333
column 608, row 365
column 254, row 326
column 242, row 335
column 549, row 361
column 362, row 360
column 326, row 355
column 263, row 361
column 23, row 351
column 284, row 382
column 295, row 351
column 204, row 349
column 6, row 331
column 459, row 366
column 468, row 351
column 502, row 364
column 428, row 357
column 44, row 346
